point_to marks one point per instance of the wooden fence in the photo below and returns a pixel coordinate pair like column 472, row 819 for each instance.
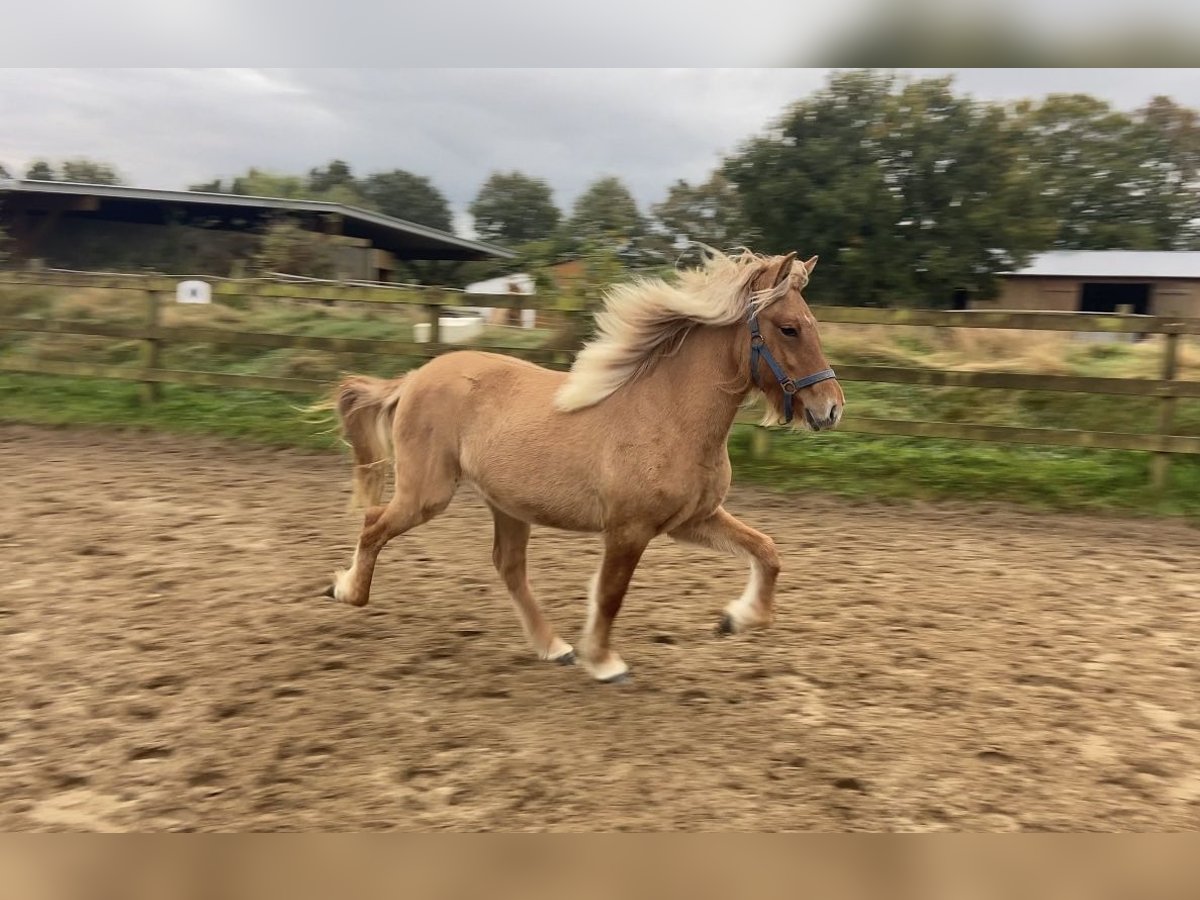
column 1164, row 390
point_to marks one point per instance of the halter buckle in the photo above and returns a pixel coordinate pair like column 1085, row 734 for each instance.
column 756, row 340
column 789, row 386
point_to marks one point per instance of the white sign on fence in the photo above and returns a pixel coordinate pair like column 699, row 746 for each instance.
column 193, row 292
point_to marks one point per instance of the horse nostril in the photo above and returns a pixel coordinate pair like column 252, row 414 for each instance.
column 833, row 413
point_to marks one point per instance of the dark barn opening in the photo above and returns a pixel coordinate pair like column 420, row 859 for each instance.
column 1106, row 297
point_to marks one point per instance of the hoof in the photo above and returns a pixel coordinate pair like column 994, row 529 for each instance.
column 328, row 592
column 619, row 678
column 725, row 626
column 567, row 659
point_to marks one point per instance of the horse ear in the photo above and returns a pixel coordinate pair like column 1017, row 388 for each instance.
column 809, row 264
column 782, row 270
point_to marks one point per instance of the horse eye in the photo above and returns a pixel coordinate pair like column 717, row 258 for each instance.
column 789, row 330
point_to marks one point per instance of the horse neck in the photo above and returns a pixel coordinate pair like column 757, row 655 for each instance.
column 701, row 385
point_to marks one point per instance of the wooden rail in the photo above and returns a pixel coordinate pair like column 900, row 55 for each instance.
column 1164, row 390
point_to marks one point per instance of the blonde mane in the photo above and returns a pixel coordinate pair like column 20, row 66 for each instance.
column 649, row 317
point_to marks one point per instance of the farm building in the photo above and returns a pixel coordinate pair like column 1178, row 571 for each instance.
column 1162, row 283
column 102, row 227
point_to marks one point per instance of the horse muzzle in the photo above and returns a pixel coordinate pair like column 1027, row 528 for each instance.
column 823, row 423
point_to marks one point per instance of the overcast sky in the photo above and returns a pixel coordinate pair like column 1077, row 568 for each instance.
column 170, row 128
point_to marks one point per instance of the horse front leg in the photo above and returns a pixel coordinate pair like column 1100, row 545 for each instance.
column 508, row 553
column 755, row 608
column 622, row 552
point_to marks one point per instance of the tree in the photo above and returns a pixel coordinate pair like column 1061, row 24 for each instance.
column 709, row 213
column 4, row 172
column 407, row 196
column 906, row 191
column 964, row 205
column 606, row 214
column 1110, row 180
column 77, row 171
column 1168, row 138
column 258, row 183
column 336, row 174
column 513, row 208
column 40, row 170
column 87, row 171
column 812, row 184
column 209, row 187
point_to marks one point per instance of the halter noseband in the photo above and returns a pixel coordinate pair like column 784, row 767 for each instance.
column 758, row 348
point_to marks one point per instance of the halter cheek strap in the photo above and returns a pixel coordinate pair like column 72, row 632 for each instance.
column 758, row 348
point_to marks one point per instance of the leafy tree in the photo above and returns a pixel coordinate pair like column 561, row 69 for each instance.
column 812, row 183
column 336, row 174
column 4, row 171
column 907, row 192
column 606, row 214
column 965, row 208
column 317, row 185
column 709, row 213
column 258, row 183
column 513, row 208
column 87, row 171
column 40, row 170
column 1110, row 180
column 1168, row 138
column 78, row 171
column 605, row 219
column 407, row 196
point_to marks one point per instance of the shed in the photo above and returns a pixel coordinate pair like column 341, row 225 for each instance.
column 93, row 226
column 1161, row 283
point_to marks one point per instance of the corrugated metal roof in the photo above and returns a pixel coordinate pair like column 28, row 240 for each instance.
column 503, row 285
column 1113, row 264
column 366, row 217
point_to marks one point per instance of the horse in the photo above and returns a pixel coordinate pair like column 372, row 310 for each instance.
column 631, row 443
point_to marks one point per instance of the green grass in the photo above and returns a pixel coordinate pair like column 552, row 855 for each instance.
column 865, row 466
column 264, row 418
column 849, row 465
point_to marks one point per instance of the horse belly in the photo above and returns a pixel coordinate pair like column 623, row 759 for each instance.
column 534, row 503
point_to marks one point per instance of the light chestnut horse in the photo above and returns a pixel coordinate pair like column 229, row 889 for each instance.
column 631, row 443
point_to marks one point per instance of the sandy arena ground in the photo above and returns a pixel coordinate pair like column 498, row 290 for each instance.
column 166, row 662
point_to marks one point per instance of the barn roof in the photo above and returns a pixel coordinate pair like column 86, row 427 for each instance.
column 406, row 240
column 1147, row 264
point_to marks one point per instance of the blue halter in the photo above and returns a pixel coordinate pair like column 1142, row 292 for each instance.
column 758, row 348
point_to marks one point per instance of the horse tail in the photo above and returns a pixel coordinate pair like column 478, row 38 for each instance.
column 365, row 410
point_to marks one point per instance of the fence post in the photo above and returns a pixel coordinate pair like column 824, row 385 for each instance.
column 151, row 391
column 1160, row 465
column 760, row 442
column 434, row 312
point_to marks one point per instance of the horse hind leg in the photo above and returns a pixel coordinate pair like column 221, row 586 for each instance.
column 508, row 554
column 418, row 498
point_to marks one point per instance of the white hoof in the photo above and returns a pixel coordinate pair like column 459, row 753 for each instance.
column 559, row 651
column 341, row 587
column 611, row 671
column 737, row 618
